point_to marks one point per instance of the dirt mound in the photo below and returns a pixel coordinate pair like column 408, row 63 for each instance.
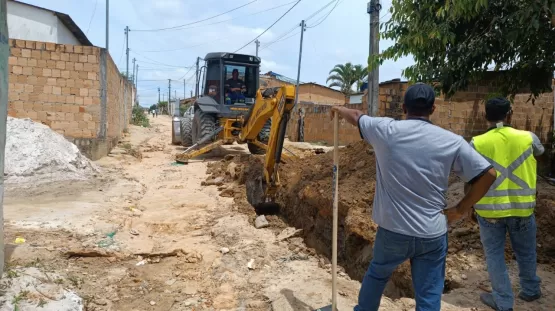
column 306, row 203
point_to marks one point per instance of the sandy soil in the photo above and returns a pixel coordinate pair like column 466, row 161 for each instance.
column 145, row 235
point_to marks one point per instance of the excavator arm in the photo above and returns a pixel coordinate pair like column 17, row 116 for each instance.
column 275, row 104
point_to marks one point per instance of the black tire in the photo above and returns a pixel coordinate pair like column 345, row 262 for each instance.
column 186, row 131
column 263, row 137
column 203, row 124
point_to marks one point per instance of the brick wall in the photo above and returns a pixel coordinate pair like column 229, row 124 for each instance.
column 61, row 86
column 318, row 127
column 314, row 93
column 308, row 92
column 462, row 114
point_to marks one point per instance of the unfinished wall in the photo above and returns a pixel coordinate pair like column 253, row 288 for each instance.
column 318, row 94
column 308, row 92
column 463, row 114
column 60, row 86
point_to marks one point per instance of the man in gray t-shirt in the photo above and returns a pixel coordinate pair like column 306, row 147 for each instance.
column 413, row 161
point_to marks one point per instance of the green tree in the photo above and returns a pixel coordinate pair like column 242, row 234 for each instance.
column 124, row 75
column 454, row 43
column 163, row 107
column 344, row 76
column 153, row 107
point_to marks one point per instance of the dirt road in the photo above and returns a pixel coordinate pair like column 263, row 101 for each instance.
column 145, row 235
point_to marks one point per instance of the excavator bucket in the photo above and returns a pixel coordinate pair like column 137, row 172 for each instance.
column 257, row 192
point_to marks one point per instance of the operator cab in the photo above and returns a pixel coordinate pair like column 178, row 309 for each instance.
column 231, row 79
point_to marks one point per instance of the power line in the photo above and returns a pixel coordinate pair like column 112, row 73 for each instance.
column 157, row 62
column 325, row 17
column 211, row 41
column 279, row 40
column 190, row 68
column 225, row 21
column 199, row 21
column 320, row 10
column 122, row 49
column 272, row 25
column 92, row 17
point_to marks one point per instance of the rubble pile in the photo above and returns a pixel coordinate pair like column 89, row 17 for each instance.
column 36, row 154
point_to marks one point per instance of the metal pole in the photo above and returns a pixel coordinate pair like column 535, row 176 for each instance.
column 4, row 53
column 133, row 80
column 126, row 82
column 299, row 66
column 257, row 46
column 184, row 89
column 158, row 95
column 107, row 25
column 127, row 51
column 136, row 86
column 197, row 77
column 373, row 9
column 169, row 95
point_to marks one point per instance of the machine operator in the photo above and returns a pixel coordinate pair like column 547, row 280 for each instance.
column 234, row 88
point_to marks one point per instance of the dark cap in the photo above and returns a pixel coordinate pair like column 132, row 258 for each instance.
column 420, row 95
column 497, row 106
column 235, row 71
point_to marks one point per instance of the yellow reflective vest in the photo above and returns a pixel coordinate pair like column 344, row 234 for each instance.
column 511, row 154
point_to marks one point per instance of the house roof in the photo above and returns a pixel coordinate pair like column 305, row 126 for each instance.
column 67, row 21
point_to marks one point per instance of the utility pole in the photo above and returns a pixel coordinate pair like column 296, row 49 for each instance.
column 127, row 50
column 373, row 9
column 184, row 88
column 107, row 24
column 257, row 46
column 191, row 93
column 303, row 29
column 134, row 60
column 137, row 75
column 137, row 84
column 169, row 96
column 197, row 78
column 127, row 78
column 158, row 95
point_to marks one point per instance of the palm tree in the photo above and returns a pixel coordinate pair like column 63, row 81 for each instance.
column 344, row 76
column 360, row 73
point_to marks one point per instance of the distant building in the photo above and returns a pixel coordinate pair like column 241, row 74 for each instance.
column 308, row 92
column 33, row 23
column 356, row 99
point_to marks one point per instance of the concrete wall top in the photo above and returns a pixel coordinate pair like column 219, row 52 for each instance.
column 31, row 23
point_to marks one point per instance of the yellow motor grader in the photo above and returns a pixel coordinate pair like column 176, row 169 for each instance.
column 233, row 109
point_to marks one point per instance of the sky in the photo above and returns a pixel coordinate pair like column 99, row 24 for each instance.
column 337, row 34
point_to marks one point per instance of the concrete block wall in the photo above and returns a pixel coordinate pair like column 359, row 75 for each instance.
column 61, row 86
column 463, row 114
column 320, row 94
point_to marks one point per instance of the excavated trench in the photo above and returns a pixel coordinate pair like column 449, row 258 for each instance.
column 305, row 201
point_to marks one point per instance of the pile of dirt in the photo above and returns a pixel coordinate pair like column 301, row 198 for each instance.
column 36, row 154
column 306, row 203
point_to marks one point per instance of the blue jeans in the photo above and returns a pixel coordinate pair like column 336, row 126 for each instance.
column 522, row 232
column 427, row 260
column 235, row 97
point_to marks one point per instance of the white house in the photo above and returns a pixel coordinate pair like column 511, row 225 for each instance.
column 29, row 22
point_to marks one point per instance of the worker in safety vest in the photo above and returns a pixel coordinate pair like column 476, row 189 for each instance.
column 509, row 205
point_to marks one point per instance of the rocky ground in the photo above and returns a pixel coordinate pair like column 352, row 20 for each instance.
column 148, row 234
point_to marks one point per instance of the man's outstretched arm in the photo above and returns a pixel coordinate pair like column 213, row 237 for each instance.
column 350, row 115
